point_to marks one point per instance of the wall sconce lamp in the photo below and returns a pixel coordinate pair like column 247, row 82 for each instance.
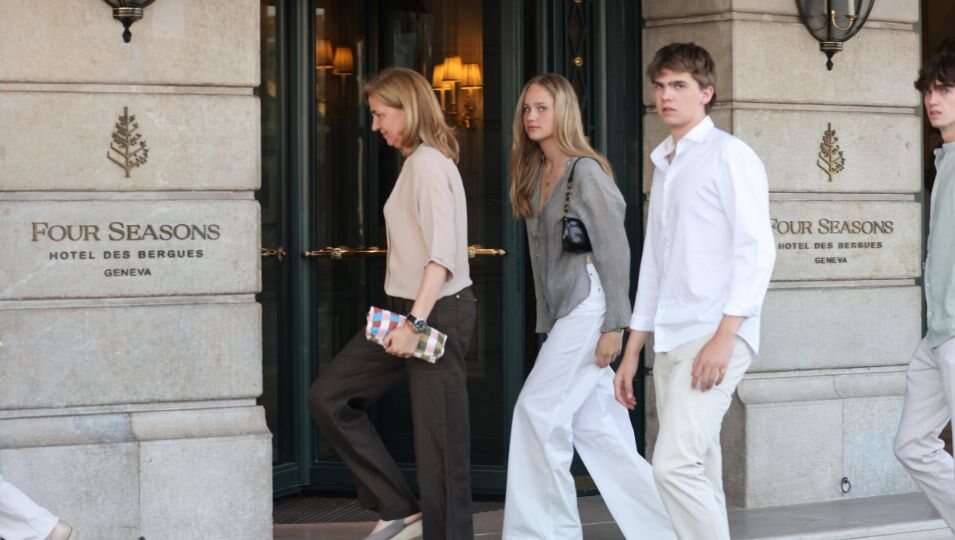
column 438, row 84
column 128, row 12
column 324, row 58
column 833, row 22
column 344, row 63
column 447, row 77
column 453, row 73
column 472, row 81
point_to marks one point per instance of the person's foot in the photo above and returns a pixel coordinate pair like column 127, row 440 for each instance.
column 62, row 531
column 408, row 528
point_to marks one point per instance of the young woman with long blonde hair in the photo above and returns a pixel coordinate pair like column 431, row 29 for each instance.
column 583, row 304
column 427, row 278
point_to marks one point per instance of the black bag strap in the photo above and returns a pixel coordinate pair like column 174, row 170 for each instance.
column 570, row 185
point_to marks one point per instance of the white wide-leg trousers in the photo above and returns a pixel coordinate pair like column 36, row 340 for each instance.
column 928, row 407
column 566, row 402
column 687, row 462
column 20, row 517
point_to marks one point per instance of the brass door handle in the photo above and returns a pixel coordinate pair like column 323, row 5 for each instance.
column 341, row 252
column 475, row 250
column 279, row 253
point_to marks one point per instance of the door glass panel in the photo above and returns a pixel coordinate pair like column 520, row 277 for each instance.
column 346, row 213
column 456, row 46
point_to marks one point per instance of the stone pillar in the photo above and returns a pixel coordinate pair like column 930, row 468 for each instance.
column 131, row 357
column 843, row 314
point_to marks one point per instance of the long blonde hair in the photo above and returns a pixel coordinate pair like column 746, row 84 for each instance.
column 526, row 155
column 405, row 89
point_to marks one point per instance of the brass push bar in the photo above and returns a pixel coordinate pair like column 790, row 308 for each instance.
column 341, row 252
column 475, row 250
column 338, row 253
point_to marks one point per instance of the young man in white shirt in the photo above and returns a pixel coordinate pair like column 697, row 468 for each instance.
column 707, row 261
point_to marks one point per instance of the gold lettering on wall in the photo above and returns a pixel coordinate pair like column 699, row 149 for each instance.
column 74, row 234
column 806, row 235
column 117, row 231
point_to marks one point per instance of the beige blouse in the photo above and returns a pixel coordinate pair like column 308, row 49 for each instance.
column 426, row 219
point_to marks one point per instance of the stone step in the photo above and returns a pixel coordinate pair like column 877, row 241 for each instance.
column 895, row 517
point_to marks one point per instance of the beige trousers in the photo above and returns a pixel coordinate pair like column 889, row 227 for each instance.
column 929, row 399
column 687, row 463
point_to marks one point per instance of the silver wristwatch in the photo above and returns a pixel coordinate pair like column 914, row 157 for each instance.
column 418, row 325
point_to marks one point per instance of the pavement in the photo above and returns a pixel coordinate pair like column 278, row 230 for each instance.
column 893, row 517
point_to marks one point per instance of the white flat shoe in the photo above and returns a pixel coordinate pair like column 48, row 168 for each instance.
column 397, row 530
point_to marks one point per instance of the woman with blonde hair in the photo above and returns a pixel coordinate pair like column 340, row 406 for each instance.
column 427, row 278
column 583, row 306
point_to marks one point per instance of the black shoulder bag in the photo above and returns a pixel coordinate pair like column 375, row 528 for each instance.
column 574, row 236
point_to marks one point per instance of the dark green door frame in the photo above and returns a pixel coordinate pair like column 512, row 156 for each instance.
column 298, row 117
column 492, row 481
column 622, row 86
column 595, row 31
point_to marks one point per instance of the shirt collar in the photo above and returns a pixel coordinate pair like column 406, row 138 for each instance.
column 697, row 135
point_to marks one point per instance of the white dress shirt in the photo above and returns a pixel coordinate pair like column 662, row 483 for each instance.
column 709, row 248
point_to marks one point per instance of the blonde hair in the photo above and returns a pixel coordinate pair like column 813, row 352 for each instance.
column 407, row 90
column 526, row 155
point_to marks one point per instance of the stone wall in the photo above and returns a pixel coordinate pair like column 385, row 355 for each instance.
column 131, row 356
column 843, row 315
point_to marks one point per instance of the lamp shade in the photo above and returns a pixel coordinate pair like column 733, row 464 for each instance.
column 128, row 12
column 324, row 58
column 344, row 61
column 833, row 22
column 453, row 69
column 472, row 77
column 437, row 77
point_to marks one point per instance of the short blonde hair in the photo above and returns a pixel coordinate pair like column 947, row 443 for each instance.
column 405, row 89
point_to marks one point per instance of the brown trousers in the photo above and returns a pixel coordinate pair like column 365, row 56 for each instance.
column 360, row 375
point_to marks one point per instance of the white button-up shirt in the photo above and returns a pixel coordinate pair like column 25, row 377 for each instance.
column 709, row 248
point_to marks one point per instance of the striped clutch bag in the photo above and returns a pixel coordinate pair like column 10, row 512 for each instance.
column 381, row 322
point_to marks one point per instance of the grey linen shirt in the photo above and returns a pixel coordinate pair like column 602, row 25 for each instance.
column 940, row 261
column 560, row 278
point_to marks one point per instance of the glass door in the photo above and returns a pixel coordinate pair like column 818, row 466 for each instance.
column 326, row 177
column 354, row 172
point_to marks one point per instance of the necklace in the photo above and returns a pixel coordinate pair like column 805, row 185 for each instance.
column 555, row 173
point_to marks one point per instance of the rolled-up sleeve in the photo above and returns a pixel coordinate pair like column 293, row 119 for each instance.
column 744, row 193
column 602, row 210
column 435, row 208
